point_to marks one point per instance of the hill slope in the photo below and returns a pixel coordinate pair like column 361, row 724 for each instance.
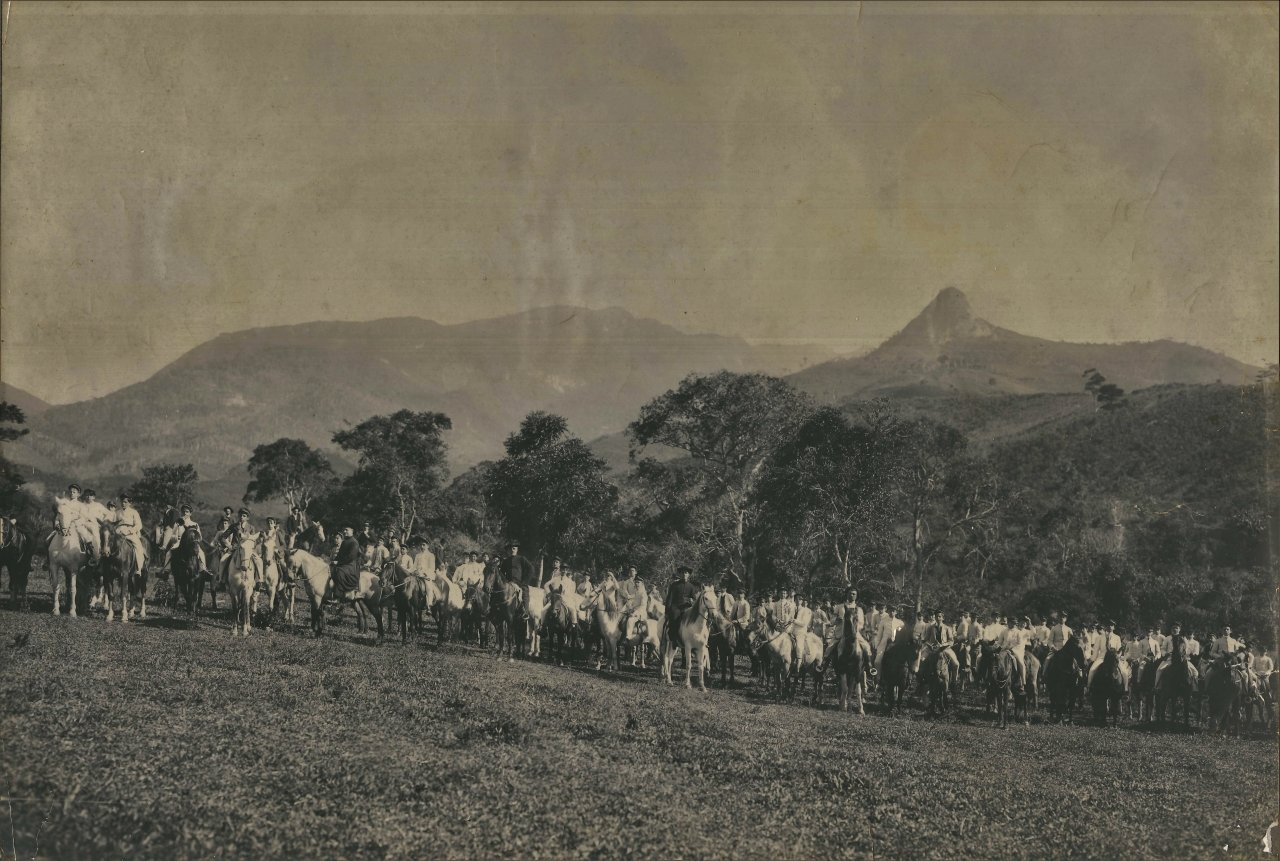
column 947, row 349
column 214, row 404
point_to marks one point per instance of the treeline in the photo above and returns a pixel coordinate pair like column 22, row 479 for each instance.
column 1153, row 511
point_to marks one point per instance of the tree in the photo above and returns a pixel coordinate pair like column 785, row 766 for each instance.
column 937, row 507
column 463, row 507
column 828, row 490
column 402, row 465
column 1108, row 395
column 162, row 486
column 728, row 424
column 550, row 489
column 11, row 429
column 288, row 469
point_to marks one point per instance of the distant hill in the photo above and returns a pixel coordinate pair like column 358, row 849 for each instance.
column 214, row 404
column 23, row 400
column 947, row 350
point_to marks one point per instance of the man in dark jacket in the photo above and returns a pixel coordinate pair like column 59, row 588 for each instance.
column 517, row 569
column 680, row 595
column 346, row 564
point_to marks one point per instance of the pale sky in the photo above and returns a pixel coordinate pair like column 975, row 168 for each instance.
column 779, row 172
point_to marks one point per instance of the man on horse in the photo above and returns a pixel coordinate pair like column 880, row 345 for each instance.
column 1177, row 654
column 79, row 524
column 1110, row 642
column 346, row 566
column 1059, row 635
column 938, row 637
column 680, row 596
column 470, row 573
column 849, row 610
column 634, row 596
column 129, row 527
column 1226, row 645
column 98, row 515
column 518, row 570
column 1015, row 641
column 231, row 538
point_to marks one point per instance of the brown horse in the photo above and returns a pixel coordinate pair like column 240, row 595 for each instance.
column 506, row 612
column 1107, row 689
column 895, row 672
column 935, row 681
column 119, row 570
column 846, row 661
column 1003, row 684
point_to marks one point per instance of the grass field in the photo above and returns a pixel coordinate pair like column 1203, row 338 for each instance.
column 160, row 740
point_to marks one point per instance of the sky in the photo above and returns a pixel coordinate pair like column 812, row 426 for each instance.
column 781, row 172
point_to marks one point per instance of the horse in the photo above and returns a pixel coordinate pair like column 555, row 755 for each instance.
column 443, row 600
column 561, row 622
column 535, row 612
column 66, row 559
column 604, row 633
column 846, row 660
column 184, row 567
column 474, row 620
column 16, row 550
column 317, row 582
column 1063, row 676
column 119, row 572
column 1002, row 684
column 1033, row 680
column 1227, row 689
column 935, row 680
column 1107, row 689
column 644, row 636
column 723, row 644
column 404, row 592
column 270, row 586
column 1174, row 682
column 242, row 578
column 504, row 611
column 693, row 629
column 775, row 665
column 895, row 672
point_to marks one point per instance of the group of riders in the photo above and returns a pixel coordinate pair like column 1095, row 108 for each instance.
column 874, row 629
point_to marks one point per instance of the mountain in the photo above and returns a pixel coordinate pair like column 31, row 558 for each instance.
column 23, row 400
column 214, row 404
column 947, row 350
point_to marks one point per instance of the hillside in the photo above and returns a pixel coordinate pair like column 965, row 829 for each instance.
column 215, row 403
column 29, row 404
column 947, row 350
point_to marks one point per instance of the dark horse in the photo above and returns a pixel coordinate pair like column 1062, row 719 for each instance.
column 16, row 549
column 1107, row 689
column 505, row 612
column 723, row 644
column 184, row 566
column 560, row 626
column 895, row 673
column 1003, row 684
column 1063, row 678
column 847, row 663
column 1174, row 685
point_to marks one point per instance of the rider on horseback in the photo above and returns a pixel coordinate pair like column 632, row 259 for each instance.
column 938, row 637
column 680, row 595
column 129, row 528
column 76, row 522
column 851, row 611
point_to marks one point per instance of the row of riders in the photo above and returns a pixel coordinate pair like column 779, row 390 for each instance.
column 790, row 639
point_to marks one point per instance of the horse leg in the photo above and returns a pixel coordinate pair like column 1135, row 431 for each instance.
column 73, row 586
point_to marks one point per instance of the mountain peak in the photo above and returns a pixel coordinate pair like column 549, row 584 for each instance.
column 945, row 319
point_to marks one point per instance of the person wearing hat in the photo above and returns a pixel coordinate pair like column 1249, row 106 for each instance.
column 1177, row 652
column 470, row 574
column 76, row 521
column 679, row 598
column 1015, row 641
column 241, row 532
column 129, row 528
column 346, row 564
column 633, row 595
column 886, row 633
column 741, row 616
column 1108, row 641
column 99, row 518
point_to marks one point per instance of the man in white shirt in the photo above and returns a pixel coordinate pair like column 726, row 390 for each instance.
column 470, row 573
column 129, row 528
column 1014, row 640
column 888, row 629
column 1108, row 641
column 1226, row 645
column 1040, row 633
column 424, row 561
column 77, row 522
column 1149, row 646
column 1262, row 666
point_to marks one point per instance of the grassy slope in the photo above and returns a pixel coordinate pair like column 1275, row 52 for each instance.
column 160, row 742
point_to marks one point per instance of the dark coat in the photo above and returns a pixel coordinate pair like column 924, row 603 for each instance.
column 517, row 569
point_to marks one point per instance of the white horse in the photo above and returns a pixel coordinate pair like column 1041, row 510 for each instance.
column 535, row 608
column 242, row 579
column 269, row 585
column 694, row 632
column 66, row 558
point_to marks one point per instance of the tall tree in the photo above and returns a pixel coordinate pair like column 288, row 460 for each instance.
column 551, row 489
column 12, row 420
column 828, row 491
column 288, row 469
column 168, row 484
column 402, row 466
column 728, row 424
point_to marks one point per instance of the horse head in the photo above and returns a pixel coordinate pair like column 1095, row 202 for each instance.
column 62, row 520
